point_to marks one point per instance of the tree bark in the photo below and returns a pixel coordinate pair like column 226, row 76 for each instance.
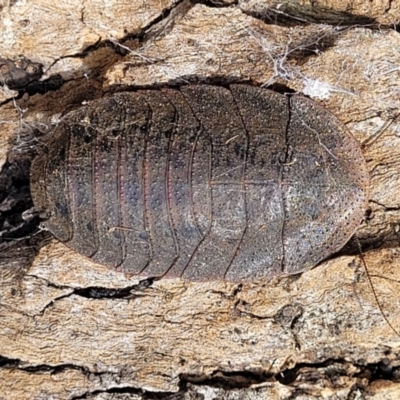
column 74, row 329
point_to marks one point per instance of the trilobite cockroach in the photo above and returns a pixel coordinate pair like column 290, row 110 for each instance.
column 202, row 183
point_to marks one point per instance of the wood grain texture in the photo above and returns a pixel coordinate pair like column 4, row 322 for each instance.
column 72, row 328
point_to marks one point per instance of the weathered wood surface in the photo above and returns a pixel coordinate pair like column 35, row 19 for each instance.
column 72, row 329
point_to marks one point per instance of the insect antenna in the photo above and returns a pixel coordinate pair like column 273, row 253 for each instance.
column 364, row 264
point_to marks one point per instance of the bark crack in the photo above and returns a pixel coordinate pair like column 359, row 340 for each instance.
column 329, row 370
column 95, row 292
column 385, row 208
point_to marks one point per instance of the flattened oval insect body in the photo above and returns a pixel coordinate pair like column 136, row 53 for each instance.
column 202, row 183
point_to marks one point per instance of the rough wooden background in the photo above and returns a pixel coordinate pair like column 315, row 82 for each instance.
column 70, row 329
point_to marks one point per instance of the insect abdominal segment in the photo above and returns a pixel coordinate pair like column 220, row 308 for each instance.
column 203, row 183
